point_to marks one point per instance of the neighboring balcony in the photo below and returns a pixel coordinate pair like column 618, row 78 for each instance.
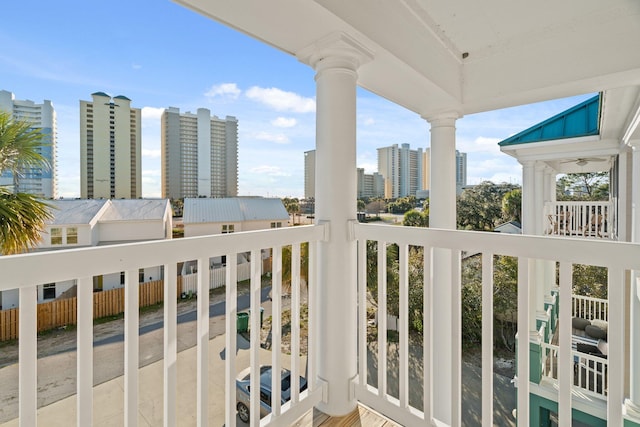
column 581, row 219
column 396, row 375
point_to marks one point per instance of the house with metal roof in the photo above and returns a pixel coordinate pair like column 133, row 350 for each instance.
column 228, row 215
column 82, row 223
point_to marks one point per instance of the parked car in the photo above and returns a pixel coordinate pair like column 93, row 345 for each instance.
column 243, row 386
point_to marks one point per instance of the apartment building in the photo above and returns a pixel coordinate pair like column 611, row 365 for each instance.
column 199, row 154
column 39, row 181
column 370, row 185
column 110, row 148
column 402, row 169
column 309, row 174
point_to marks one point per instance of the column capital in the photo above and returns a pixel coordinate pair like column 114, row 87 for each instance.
column 335, row 50
column 527, row 163
column 447, row 119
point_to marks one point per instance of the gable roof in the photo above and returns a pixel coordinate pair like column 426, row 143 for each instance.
column 203, row 210
column 79, row 211
column 580, row 120
column 135, row 210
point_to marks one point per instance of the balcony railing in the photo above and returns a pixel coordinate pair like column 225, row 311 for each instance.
column 589, row 371
column 394, row 378
column 590, row 308
column 581, row 219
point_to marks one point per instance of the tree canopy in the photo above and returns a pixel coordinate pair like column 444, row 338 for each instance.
column 22, row 215
column 480, row 207
column 583, row 186
column 413, row 218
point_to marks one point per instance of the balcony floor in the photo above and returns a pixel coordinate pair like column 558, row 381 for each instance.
column 361, row 416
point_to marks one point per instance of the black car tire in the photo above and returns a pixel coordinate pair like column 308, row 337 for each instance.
column 243, row 412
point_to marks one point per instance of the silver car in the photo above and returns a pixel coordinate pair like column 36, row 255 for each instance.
column 243, row 385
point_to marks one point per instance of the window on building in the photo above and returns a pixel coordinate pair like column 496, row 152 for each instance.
column 227, row 228
column 49, row 291
column 56, row 236
column 72, row 235
column 122, row 278
column 276, row 224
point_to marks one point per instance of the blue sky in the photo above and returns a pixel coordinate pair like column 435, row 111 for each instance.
column 160, row 54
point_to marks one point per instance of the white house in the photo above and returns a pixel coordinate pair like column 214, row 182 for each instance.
column 87, row 222
column 203, row 217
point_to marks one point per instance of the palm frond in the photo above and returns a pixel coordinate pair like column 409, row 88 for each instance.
column 22, row 220
column 20, row 146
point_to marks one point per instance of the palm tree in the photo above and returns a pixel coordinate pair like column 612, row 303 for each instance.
column 22, row 215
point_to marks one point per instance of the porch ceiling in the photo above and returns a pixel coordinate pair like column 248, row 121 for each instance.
column 433, row 56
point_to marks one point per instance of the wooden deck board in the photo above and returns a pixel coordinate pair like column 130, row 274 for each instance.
column 360, row 417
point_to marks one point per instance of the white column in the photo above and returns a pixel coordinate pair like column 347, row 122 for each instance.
column 539, row 191
column 528, row 197
column 336, row 59
column 633, row 403
column 529, row 227
column 539, row 285
column 442, row 214
column 550, row 196
column 442, row 171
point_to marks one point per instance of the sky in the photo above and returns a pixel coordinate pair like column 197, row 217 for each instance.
column 161, row 55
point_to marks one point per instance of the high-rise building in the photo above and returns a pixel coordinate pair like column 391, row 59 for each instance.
column 38, row 181
column 110, row 148
column 402, row 169
column 309, row 174
column 461, row 171
column 199, row 154
column 370, row 185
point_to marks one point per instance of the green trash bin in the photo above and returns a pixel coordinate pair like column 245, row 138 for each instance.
column 261, row 315
column 242, row 324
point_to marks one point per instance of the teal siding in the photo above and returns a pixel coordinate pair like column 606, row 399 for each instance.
column 580, row 120
column 541, row 407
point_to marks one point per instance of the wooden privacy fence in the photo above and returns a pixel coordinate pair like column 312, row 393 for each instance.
column 63, row 312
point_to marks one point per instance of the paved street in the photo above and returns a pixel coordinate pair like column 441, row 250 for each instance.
column 57, row 373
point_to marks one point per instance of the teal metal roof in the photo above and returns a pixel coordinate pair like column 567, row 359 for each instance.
column 121, row 97
column 580, row 120
column 100, row 94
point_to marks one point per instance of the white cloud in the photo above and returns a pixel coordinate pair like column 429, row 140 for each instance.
column 284, row 122
column 281, row 100
column 369, row 168
column 479, row 144
column 229, row 90
column 152, row 113
column 272, row 137
column 154, row 154
column 269, row 171
column 368, row 121
column 136, row 66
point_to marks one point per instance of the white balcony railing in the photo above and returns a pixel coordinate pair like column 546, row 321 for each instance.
column 410, row 403
column 589, row 371
column 582, row 219
column 590, row 308
column 397, row 363
column 82, row 264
